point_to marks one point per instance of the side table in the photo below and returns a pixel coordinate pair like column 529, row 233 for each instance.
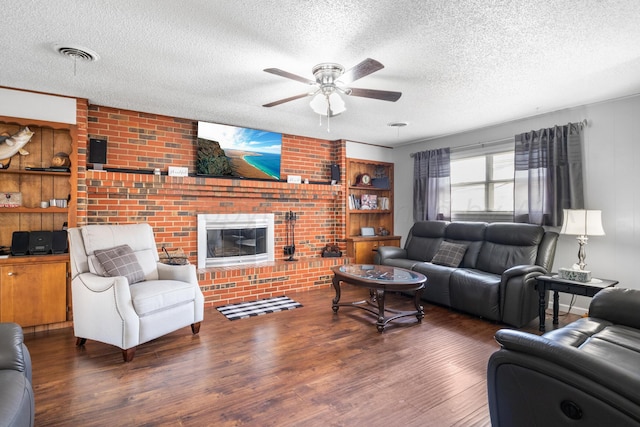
column 552, row 282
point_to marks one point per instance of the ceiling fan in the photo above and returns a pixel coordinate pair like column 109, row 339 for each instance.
column 330, row 81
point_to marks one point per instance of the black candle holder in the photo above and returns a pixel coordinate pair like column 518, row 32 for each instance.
column 290, row 248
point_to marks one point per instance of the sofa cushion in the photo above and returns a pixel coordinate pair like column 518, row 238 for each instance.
column 153, row 295
column 120, row 261
column 437, row 286
column 602, row 339
column 476, row 291
column 424, row 240
column 471, row 234
column 509, row 244
column 449, row 254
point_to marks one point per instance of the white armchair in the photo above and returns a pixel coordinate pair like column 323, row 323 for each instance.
column 110, row 309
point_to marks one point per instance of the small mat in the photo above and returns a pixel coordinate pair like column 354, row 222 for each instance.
column 243, row 310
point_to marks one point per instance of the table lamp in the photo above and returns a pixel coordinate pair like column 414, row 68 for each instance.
column 582, row 223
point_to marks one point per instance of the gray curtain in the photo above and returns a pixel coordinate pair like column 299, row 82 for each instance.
column 432, row 185
column 548, row 174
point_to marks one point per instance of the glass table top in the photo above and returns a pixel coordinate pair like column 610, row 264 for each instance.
column 381, row 272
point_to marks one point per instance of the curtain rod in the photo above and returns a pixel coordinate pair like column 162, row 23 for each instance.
column 583, row 123
column 477, row 144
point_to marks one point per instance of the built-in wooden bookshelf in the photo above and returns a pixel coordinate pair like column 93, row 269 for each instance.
column 369, row 202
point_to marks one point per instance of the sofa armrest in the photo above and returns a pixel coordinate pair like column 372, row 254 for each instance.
column 182, row 273
column 12, row 354
column 389, row 252
column 96, row 283
column 519, row 301
column 617, row 305
column 522, row 270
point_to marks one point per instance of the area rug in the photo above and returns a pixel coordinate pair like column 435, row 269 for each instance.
column 243, row 310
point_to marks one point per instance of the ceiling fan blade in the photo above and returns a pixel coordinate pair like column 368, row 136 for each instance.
column 288, row 75
column 361, row 70
column 383, row 95
column 282, row 101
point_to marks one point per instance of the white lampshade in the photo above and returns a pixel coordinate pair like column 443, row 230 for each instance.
column 582, row 222
column 333, row 104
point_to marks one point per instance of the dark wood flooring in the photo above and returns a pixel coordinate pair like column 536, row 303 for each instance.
column 304, row 367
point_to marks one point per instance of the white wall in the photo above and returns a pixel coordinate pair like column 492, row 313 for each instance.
column 38, row 106
column 358, row 150
column 612, row 173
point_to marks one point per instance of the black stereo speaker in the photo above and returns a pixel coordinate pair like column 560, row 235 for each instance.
column 335, row 173
column 40, row 242
column 59, row 242
column 20, row 243
column 97, row 151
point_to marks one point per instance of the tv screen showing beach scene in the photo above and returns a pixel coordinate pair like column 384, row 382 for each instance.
column 230, row 151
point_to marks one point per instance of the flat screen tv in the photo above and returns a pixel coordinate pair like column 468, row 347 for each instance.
column 230, row 151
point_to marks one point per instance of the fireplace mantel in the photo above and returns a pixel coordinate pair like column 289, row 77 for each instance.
column 104, row 182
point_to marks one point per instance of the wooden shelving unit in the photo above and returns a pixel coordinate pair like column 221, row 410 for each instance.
column 34, row 290
column 362, row 248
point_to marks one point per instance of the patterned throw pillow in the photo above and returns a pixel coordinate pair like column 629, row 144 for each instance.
column 121, row 261
column 449, row 254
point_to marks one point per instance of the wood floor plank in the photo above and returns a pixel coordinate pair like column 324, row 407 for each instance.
column 303, row 367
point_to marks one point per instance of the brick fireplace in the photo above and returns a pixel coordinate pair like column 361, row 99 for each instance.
column 141, row 141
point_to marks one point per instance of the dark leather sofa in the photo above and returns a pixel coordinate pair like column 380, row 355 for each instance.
column 17, row 406
column 495, row 278
column 584, row 374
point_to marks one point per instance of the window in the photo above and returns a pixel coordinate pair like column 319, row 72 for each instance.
column 482, row 184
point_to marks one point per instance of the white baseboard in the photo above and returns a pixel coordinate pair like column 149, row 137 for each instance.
column 563, row 308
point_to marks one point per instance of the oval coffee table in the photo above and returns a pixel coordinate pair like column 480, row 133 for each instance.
column 379, row 279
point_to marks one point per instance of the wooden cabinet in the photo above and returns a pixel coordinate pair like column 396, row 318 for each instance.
column 33, row 290
column 369, row 205
column 362, row 249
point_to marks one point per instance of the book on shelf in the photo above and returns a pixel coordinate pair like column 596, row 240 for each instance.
column 383, row 203
column 354, row 202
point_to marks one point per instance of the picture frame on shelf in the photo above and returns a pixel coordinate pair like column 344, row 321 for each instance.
column 369, row 202
column 367, row 231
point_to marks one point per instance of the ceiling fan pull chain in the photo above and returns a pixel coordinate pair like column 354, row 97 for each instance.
column 328, row 114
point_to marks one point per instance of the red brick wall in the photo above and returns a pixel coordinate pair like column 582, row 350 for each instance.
column 170, row 204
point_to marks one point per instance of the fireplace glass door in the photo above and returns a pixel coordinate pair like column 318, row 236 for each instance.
column 238, row 242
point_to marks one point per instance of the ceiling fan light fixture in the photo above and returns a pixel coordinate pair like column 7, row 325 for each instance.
column 328, row 105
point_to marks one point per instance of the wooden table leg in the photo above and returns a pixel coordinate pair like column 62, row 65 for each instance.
column 541, row 306
column 419, row 307
column 336, row 285
column 380, row 299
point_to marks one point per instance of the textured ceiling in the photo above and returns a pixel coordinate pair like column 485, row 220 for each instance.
column 460, row 65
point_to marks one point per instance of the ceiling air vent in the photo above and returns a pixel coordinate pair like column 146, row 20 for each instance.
column 76, row 52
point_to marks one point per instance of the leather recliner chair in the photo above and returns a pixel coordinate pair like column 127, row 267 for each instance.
column 17, row 405
column 584, row 374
